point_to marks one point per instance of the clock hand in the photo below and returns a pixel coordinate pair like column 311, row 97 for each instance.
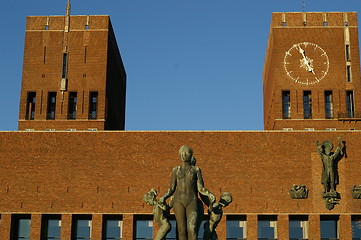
column 305, row 60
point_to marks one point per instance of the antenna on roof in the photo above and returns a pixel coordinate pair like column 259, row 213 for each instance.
column 303, row 5
column 68, row 8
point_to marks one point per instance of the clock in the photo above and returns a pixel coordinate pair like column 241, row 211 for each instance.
column 306, row 63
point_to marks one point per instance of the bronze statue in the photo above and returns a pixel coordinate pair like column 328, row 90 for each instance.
column 329, row 167
column 186, row 182
column 215, row 216
column 298, row 192
column 160, row 213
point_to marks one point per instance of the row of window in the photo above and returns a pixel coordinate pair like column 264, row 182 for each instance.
column 51, row 227
column 236, row 227
column 307, row 104
column 51, row 105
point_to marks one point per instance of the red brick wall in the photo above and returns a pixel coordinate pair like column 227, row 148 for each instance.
column 109, row 172
column 332, row 39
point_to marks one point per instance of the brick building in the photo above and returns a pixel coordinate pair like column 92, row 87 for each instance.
column 90, row 184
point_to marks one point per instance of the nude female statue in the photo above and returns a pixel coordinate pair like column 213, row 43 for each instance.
column 186, row 182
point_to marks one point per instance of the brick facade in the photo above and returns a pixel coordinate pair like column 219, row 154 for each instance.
column 288, row 29
column 103, row 173
column 94, row 65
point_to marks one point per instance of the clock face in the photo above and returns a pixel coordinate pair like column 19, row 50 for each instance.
column 306, row 63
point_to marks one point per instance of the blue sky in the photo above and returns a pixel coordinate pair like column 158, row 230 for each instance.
column 191, row 64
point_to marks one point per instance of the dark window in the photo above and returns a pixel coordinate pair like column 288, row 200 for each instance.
column 72, row 105
column 348, row 53
column 51, row 105
column 113, row 225
column 201, row 229
column 236, row 227
column 143, row 227
column 172, row 235
column 20, row 227
column 307, row 105
column 329, row 227
column 284, row 24
column 298, row 227
column 325, row 24
column 93, row 105
column 51, row 227
column 267, row 227
column 350, row 104
column 348, row 72
column 286, row 104
column 30, row 106
column 65, row 65
column 356, row 227
column 82, row 227
column 328, row 104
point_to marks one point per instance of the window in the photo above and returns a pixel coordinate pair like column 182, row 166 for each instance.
column 307, row 105
column 348, row 53
column 65, row 65
column 93, row 105
column 143, row 227
column 329, row 227
column 82, row 227
column 298, row 227
column 356, row 227
column 51, row 105
column 348, row 72
column 201, row 228
column 328, row 104
column 72, row 105
column 113, row 226
column 267, row 227
column 236, row 227
column 172, row 235
column 286, row 104
column 20, row 227
column 325, row 24
column 30, row 106
column 350, row 104
column 51, row 226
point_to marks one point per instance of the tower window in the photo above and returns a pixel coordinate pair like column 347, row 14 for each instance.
column 65, row 65
column 328, row 104
column 72, row 105
column 348, row 72
column 30, row 106
column 350, row 104
column 51, row 105
column 325, row 24
column 348, row 53
column 286, row 104
column 307, row 105
column 93, row 105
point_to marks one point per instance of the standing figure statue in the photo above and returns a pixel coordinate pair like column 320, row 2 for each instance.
column 186, row 182
column 329, row 161
column 160, row 213
column 215, row 216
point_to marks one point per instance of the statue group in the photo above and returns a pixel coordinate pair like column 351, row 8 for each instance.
column 187, row 194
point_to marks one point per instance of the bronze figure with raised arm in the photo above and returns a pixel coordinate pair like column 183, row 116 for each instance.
column 186, row 182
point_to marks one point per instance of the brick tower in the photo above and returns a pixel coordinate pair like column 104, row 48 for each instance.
column 73, row 75
column 311, row 77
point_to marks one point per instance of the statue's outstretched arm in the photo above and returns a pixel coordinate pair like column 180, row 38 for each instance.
column 339, row 150
column 201, row 189
column 173, row 184
column 319, row 148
